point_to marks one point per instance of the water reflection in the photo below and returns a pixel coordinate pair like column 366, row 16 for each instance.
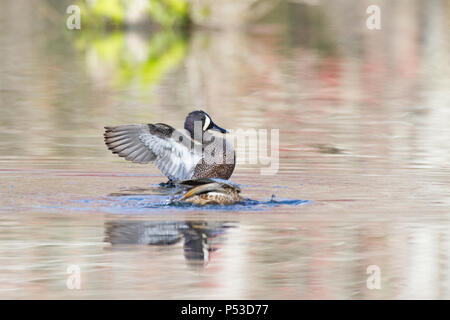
column 199, row 237
column 131, row 58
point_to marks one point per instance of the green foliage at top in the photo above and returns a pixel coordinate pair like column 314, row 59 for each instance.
column 169, row 12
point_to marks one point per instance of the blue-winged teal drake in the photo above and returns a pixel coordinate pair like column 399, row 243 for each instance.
column 180, row 155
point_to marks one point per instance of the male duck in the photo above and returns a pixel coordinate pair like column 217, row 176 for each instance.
column 189, row 154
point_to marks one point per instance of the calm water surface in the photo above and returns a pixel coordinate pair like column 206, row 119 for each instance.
column 364, row 119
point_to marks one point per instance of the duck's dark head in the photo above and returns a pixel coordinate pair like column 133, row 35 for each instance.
column 201, row 117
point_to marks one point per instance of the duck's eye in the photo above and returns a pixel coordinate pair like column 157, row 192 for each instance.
column 206, row 124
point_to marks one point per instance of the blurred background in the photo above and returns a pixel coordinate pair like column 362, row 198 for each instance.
column 364, row 119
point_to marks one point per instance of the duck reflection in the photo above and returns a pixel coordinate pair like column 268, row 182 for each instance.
column 200, row 237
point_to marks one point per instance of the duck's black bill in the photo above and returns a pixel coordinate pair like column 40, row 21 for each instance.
column 215, row 127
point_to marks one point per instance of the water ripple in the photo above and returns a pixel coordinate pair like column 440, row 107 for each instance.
column 149, row 203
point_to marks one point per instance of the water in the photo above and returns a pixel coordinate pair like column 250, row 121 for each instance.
column 364, row 156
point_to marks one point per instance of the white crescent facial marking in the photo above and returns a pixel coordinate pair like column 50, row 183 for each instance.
column 207, row 122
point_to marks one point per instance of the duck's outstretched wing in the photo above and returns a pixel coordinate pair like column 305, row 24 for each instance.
column 170, row 150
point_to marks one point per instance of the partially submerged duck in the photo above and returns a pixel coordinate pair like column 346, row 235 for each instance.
column 189, row 154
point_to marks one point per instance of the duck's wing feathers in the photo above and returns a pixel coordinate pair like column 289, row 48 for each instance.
column 172, row 151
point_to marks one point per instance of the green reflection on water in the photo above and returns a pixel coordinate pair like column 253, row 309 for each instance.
column 167, row 13
column 133, row 57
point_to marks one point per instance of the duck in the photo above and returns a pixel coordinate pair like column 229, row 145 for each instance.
column 208, row 191
column 192, row 153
